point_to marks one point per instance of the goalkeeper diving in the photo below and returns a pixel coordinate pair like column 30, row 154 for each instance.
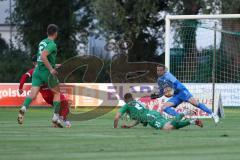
column 169, row 86
column 140, row 114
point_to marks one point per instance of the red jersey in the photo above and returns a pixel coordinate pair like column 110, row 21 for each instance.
column 44, row 90
column 47, row 94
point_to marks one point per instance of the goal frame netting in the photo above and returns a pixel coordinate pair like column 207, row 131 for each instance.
column 171, row 18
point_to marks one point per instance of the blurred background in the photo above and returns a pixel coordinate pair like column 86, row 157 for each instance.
column 87, row 27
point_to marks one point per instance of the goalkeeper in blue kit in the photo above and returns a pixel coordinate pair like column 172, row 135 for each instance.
column 171, row 87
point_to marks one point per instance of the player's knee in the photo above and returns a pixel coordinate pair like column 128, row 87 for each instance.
column 33, row 96
column 167, row 104
column 193, row 101
column 168, row 126
column 164, row 107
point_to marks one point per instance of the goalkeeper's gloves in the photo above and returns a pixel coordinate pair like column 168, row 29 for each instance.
column 154, row 96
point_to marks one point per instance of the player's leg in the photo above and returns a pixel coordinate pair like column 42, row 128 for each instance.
column 64, row 110
column 168, row 108
column 168, row 126
column 176, row 124
column 201, row 106
column 36, row 82
column 31, row 97
column 179, row 117
column 156, row 120
column 204, row 108
column 56, row 105
column 56, row 99
column 172, row 102
column 47, row 95
column 53, row 84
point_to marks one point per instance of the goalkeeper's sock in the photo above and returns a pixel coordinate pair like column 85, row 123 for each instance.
column 204, row 108
column 27, row 102
column 171, row 111
column 56, row 106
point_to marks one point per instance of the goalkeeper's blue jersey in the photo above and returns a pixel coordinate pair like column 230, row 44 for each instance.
column 169, row 80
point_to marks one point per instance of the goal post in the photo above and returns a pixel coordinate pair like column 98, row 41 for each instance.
column 204, row 49
column 170, row 18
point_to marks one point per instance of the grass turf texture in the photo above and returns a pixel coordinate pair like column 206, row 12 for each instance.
column 96, row 139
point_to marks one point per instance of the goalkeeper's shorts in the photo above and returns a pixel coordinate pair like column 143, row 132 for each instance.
column 182, row 96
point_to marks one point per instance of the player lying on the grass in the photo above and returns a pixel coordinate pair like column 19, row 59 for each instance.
column 45, row 73
column 140, row 114
column 171, row 87
column 47, row 95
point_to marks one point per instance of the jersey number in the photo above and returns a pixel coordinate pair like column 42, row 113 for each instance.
column 42, row 45
column 138, row 106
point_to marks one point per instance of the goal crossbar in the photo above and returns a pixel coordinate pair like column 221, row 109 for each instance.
column 184, row 17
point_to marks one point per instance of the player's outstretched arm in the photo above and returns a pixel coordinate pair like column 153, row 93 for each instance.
column 116, row 119
column 23, row 79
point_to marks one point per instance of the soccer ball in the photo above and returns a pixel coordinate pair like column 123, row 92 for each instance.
column 168, row 92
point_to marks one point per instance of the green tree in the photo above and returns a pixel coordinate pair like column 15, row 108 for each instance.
column 137, row 21
column 33, row 16
column 13, row 64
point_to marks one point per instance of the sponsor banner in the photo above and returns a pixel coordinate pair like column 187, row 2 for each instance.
column 9, row 96
column 107, row 94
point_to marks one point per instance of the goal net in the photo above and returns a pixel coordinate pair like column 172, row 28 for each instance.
column 205, row 49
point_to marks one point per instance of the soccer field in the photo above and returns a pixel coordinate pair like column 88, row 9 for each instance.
column 96, row 139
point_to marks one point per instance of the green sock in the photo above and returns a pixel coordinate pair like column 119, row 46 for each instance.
column 27, row 102
column 180, row 124
column 184, row 123
column 56, row 106
column 179, row 117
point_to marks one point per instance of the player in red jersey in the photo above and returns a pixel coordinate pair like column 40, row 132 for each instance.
column 47, row 95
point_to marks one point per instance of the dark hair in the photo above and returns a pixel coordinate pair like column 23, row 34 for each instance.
column 128, row 96
column 161, row 65
column 34, row 58
column 51, row 29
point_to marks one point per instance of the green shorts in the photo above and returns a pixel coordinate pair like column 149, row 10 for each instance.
column 42, row 76
column 158, row 121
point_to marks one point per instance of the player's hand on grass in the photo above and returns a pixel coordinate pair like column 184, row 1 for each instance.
column 53, row 72
column 20, row 91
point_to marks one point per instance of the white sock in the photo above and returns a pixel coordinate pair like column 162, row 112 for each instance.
column 23, row 108
column 213, row 114
column 55, row 117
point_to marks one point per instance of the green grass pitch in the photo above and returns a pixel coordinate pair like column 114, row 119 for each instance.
column 97, row 140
